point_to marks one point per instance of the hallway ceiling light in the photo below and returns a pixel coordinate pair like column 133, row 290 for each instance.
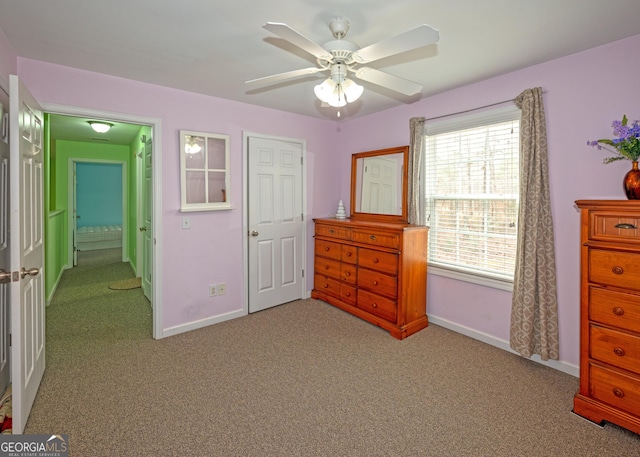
column 100, row 127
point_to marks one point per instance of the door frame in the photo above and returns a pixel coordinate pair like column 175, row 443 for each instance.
column 71, row 191
column 245, row 209
column 156, row 168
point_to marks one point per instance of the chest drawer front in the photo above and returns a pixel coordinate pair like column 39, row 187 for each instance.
column 609, row 225
column 614, row 308
column 385, row 262
column 342, row 233
column 349, row 253
column 379, row 283
column 328, row 267
column 328, row 249
column 327, row 285
column 620, row 269
column 348, row 294
column 384, row 239
column 348, row 273
column 378, row 305
column 615, row 388
column 616, row 348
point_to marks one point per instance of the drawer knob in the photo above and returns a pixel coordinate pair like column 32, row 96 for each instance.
column 375, row 283
column 372, row 237
column 618, row 393
column 374, row 305
column 326, row 248
column 375, row 261
column 618, row 351
column 348, row 254
column 348, row 294
column 326, row 267
column 618, row 311
column 626, row 226
column 326, row 286
column 347, row 274
column 331, row 231
column 617, row 270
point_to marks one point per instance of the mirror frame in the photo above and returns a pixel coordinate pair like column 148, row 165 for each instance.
column 404, row 150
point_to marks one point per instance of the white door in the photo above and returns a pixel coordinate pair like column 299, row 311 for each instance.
column 275, row 222
column 147, row 228
column 74, row 212
column 27, row 251
column 5, row 268
column 379, row 186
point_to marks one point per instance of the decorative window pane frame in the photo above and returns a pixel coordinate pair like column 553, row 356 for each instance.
column 205, row 173
column 463, row 197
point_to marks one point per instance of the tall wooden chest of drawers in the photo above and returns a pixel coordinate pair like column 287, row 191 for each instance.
column 374, row 270
column 610, row 313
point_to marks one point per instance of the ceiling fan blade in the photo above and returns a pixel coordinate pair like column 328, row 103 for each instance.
column 283, row 76
column 412, row 39
column 395, row 83
column 295, row 37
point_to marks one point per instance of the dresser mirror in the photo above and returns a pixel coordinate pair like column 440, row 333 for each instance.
column 379, row 184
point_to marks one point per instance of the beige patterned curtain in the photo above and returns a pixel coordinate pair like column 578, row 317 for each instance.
column 534, row 312
column 416, row 146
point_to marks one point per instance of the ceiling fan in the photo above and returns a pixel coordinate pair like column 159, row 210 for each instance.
column 342, row 57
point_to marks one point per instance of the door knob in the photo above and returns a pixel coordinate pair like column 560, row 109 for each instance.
column 143, row 229
column 5, row 276
column 254, row 233
column 30, row 272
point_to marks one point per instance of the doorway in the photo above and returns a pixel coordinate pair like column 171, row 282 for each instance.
column 147, row 193
column 274, row 216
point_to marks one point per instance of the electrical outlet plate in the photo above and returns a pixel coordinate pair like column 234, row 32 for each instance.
column 186, row 223
column 213, row 289
column 222, row 288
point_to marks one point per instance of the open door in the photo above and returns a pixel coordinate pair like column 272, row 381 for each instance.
column 26, row 174
column 5, row 268
column 147, row 228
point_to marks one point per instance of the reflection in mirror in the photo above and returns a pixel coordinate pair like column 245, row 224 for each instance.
column 378, row 186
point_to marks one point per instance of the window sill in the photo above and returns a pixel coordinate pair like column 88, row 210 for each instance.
column 472, row 278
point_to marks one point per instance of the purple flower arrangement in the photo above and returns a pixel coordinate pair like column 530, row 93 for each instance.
column 626, row 143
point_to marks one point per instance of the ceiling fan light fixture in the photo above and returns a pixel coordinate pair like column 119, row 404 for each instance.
column 325, row 91
column 100, row 127
column 352, row 91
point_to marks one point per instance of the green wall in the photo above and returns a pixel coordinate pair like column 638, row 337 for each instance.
column 57, row 156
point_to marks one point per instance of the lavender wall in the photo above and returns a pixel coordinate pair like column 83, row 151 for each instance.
column 8, row 60
column 584, row 93
column 211, row 251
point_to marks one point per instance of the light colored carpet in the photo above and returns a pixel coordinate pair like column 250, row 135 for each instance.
column 302, row 379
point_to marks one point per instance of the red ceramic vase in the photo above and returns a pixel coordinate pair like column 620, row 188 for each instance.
column 632, row 182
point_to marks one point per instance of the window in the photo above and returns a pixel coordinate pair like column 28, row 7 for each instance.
column 470, row 183
column 204, row 163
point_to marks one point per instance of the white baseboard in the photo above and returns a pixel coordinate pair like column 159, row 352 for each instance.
column 171, row 331
column 565, row 367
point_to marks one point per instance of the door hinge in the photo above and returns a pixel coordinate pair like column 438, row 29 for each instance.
column 303, row 273
column 301, row 160
column 302, row 217
column 9, row 339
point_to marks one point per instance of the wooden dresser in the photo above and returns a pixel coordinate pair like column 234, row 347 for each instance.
column 610, row 313
column 374, row 270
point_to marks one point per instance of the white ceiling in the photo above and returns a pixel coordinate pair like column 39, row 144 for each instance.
column 212, row 47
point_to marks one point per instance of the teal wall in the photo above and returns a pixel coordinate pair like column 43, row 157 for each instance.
column 99, row 194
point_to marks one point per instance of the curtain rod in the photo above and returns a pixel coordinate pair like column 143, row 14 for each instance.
column 473, row 109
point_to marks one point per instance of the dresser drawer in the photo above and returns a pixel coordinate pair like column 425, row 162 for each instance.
column 613, row 268
column 349, row 253
column 618, row 389
column 327, row 285
column 379, row 283
column 328, row 267
column 342, row 233
column 378, row 260
column 328, row 249
column 615, row 226
column 374, row 238
column 378, row 305
column 616, row 348
column 348, row 273
column 615, row 308
column 348, row 294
